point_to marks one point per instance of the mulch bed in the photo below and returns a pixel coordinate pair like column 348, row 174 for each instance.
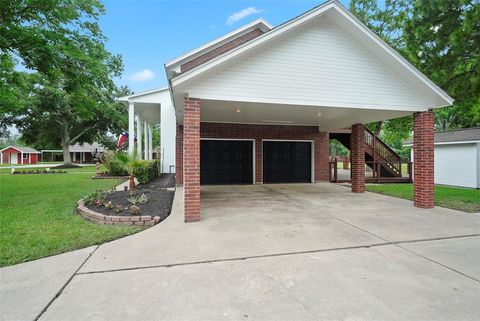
column 159, row 199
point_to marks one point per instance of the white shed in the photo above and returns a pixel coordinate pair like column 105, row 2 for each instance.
column 457, row 157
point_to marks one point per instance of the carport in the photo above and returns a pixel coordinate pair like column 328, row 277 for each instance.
column 259, row 110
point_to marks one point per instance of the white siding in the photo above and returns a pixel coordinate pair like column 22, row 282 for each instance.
column 457, row 165
column 317, row 65
column 167, row 133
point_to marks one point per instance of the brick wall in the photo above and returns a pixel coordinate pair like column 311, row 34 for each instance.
column 423, row 159
column 357, row 151
column 220, row 50
column 191, row 159
column 259, row 132
column 179, row 155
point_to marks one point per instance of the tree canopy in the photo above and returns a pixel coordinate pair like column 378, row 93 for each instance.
column 442, row 39
column 65, row 92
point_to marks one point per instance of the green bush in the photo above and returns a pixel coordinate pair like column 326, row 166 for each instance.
column 115, row 163
column 121, row 164
column 143, row 170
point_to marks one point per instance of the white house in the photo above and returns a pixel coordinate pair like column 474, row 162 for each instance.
column 457, row 157
column 256, row 105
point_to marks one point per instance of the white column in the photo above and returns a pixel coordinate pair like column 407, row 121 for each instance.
column 139, row 137
column 150, row 142
column 29, row 158
column 131, row 128
column 1, row 158
column 21, row 158
column 146, row 139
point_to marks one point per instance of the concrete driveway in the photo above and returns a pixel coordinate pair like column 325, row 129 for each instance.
column 269, row 252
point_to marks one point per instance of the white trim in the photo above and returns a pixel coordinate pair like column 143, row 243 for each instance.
column 16, row 148
column 212, row 43
column 312, row 142
column 139, row 134
column 143, row 93
column 241, row 139
column 183, row 77
column 449, row 143
column 264, row 124
column 131, row 128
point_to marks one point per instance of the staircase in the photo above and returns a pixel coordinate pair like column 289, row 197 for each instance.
column 378, row 156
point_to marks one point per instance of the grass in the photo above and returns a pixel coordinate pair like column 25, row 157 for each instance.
column 462, row 199
column 37, row 217
column 89, row 168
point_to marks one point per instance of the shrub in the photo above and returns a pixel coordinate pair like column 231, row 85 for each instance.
column 115, row 163
column 143, row 170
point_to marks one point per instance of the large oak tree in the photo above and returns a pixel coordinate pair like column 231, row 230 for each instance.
column 65, row 92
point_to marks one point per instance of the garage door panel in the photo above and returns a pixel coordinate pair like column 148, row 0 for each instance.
column 287, row 162
column 226, row 162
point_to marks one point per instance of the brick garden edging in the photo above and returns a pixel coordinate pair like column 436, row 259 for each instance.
column 99, row 218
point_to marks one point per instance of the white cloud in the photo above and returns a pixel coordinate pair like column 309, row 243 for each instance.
column 144, row 75
column 237, row 16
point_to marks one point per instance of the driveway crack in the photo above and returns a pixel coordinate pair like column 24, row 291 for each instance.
column 59, row 292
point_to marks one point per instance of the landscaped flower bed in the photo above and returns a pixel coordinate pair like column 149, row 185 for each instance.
column 39, row 171
column 148, row 204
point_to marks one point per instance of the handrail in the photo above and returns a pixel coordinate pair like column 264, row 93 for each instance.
column 383, row 150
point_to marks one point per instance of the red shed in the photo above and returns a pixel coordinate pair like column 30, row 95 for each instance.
column 19, row 155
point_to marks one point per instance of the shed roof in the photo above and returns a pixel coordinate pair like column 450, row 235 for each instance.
column 27, row 150
column 454, row 136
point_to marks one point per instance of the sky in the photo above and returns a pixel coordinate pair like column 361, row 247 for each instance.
column 148, row 33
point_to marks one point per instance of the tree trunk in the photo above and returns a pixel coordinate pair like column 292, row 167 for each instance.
column 378, row 128
column 66, row 154
column 66, row 144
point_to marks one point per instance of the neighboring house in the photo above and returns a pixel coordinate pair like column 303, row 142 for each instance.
column 19, row 155
column 257, row 105
column 457, row 157
column 79, row 153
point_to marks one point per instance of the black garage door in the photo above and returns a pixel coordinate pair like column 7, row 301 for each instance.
column 226, row 162
column 287, row 162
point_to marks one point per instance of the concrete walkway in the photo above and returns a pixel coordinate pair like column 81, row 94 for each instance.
column 269, row 252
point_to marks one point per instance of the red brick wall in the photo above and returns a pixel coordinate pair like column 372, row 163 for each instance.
column 357, row 151
column 191, row 159
column 179, row 155
column 423, row 159
column 259, row 132
column 220, row 50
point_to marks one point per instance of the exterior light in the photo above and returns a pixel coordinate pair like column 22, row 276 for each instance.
column 319, row 114
column 238, row 109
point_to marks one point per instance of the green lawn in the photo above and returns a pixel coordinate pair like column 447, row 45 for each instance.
column 89, row 168
column 467, row 200
column 37, row 216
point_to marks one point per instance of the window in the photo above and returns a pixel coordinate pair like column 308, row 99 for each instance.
column 25, row 156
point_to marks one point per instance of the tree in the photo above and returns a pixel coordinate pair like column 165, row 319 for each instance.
column 387, row 21
column 71, row 95
column 443, row 40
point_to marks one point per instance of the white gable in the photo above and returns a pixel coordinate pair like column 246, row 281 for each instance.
column 319, row 65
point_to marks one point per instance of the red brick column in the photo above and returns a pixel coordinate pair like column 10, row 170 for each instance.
column 423, row 161
column 357, row 149
column 179, row 155
column 191, row 159
column 322, row 157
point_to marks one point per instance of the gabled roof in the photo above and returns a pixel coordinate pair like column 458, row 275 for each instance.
column 28, row 150
column 349, row 21
column 256, row 24
column 466, row 135
column 143, row 93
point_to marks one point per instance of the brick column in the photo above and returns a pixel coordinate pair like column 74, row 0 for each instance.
column 179, row 155
column 423, row 161
column 357, row 150
column 191, row 159
column 322, row 157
